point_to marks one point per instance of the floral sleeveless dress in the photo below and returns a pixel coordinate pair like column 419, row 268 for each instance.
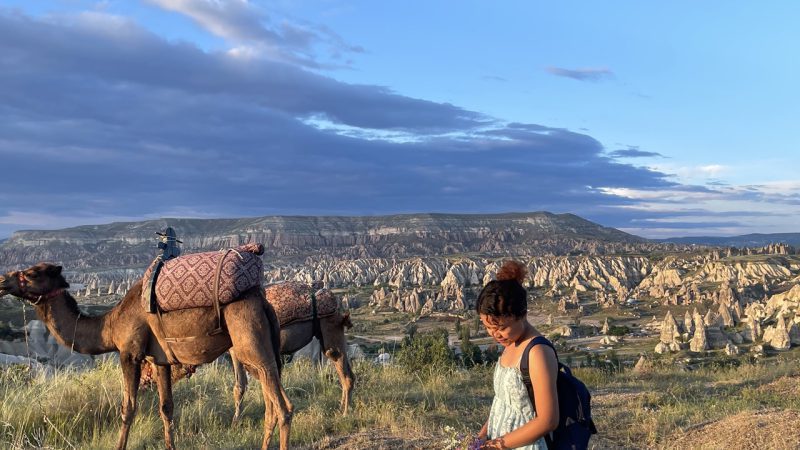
column 511, row 407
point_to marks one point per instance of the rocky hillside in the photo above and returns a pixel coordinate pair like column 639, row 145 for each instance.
column 293, row 238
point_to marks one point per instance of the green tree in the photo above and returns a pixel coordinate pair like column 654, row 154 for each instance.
column 617, row 330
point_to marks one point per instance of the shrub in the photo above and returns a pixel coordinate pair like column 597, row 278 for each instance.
column 617, row 330
column 424, row 350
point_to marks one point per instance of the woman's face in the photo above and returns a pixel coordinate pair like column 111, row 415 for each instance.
column 504, row 329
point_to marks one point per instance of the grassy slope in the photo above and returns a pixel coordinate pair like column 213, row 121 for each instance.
column 393, row 409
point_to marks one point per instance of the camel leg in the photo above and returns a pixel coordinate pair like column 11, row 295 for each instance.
column 277, row 408
column 166, row 406
column 131, row 371
column 337, row 353
column 239, row 387
column 252, row 345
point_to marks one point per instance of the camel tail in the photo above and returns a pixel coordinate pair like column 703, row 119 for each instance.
column 275, row 332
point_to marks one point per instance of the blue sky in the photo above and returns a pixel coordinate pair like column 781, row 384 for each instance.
column 667, row 119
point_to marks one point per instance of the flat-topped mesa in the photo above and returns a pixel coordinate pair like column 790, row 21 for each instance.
column 524, row 234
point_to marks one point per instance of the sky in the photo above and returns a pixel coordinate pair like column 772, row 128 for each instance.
column 662, row 119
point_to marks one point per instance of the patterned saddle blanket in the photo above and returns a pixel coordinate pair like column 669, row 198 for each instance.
column 189, row 281
column 292, row 301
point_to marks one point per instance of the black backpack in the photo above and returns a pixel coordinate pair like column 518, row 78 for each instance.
column 575, row 425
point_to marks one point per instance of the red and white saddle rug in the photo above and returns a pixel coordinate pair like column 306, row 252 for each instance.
column 292, row 301
column 188, row 281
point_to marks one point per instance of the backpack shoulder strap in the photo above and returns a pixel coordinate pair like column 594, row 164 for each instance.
column 524, row 367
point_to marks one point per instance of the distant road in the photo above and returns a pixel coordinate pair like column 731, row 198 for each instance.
column 391, row 337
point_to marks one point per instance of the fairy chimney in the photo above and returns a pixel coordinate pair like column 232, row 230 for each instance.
column 669, row 329
column 726, row 316
column 777, row 336
column 699, row 342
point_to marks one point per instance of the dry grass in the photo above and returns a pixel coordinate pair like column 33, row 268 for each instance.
column 81, row 410
column 666, row 406
column 750, row 430
column 751, row 406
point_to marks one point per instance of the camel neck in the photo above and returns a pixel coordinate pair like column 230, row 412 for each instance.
column 73, row 329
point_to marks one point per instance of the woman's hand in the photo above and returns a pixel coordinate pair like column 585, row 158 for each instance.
column 494, row 444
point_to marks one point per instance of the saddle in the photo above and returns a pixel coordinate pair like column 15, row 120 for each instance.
column 202, row 279
column 294, row 301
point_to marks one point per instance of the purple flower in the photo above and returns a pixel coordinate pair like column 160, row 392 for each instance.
column 475, row 444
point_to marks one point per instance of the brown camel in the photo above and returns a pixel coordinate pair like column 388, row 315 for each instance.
column 297, row 333
column 294, row 336
column 247, row 327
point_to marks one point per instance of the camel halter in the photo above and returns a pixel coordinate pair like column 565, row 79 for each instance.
column 33, row 298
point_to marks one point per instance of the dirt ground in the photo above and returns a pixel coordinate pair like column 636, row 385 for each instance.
column 774, row 430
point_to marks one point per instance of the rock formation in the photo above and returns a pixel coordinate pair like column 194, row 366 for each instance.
column 777, row 336
column 670, row 333
column 699, row 342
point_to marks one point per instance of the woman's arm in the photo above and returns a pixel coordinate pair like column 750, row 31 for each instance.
column 543, row 370
column 484, row 430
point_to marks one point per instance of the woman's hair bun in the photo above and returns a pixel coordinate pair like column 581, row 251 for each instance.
column 512, row 270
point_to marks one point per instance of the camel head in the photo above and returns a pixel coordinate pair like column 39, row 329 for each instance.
column 35, row 284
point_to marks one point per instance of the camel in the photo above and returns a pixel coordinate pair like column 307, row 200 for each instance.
column 297, row 334
column 248, row 327
column 294, row 336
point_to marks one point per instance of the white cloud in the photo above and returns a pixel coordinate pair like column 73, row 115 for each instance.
column 254, row 33
column 693, row 174
column 663, row 195
column 712, row 170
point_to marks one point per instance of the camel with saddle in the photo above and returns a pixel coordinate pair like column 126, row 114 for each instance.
column 304, row 312
column 210, row 307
